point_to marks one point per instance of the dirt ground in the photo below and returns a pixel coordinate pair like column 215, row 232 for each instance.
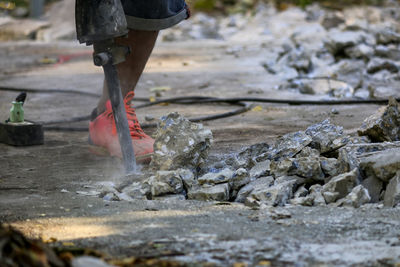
column 38, row 184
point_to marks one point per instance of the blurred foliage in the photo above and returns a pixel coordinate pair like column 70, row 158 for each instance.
column 229, row 6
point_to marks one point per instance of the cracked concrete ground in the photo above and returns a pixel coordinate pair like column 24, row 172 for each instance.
column 38, row 184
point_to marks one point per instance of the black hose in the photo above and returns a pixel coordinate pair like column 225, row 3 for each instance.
column 193, row 100
column 244, row 108
column 205, row 99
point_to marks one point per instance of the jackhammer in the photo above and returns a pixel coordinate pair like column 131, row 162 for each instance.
column 98, row 23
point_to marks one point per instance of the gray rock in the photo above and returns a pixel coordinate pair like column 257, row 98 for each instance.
column 392, row 194
column 350, row 156
column 85, row 261
column 301, row 192
column 339, row 186
column 263, row 182
column 382, row 164
column 308, row 152
column 357, row 197
column 111, row 197
column 304, row 201
column 290, row 144
column 316, row 195
column 383, row 125
column 188, row 178
column 390, row 51
column 165, row 182
column 378, row 64
column 326, row 136
column 240, row 178
column 136, row 190
column 260, row 169
column 359, row 51
column 219, row 192
column 374, row 187
column 276, row 195
column 125, row 197
column 338, row 41
column 249, row 156
column 300, row 60
column 222, row 176
column 387, row 36
column 180, row 143
column 297, row 179
column 329, row 166
column 281, row 69
column 304, row 87
column 306, row 167
column 332, row 20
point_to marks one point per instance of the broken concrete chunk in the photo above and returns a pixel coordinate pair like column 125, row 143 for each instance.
column 276, row 195
column 219, row 192
column 303, row 201
column 308, row 168
column 222, row 176
column 165, row 182
column 300, row 60
column 111, row 197
column 326, row 136
column 290, row 144
column 297, row 179
column 308, row 152
column 339, row 186
column 262, row 182
column 382, row 164
column 187, row 177
column 180, row 143
column 387, row 35
column 357, row 197
column 378, row 64
column 136, row 190
column 338, row 41
column 260, row 169
column 301, row 192
column 392, row 194
column 316, row 195
column 391, row 51
column 374, row 187
column 248, row 157
column 330, row 166
column 359, row 51
column 240, row 178
column 350, row 156
column 384, row 125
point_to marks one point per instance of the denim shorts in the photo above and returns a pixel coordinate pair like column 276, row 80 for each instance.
column 154, row 15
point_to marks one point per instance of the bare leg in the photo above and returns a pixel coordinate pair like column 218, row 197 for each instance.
column 129, row 71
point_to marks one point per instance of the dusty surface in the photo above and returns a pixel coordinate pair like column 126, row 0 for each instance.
column 38, row 184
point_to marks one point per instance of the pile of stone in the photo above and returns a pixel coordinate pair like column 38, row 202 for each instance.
column 357, row 48
column 319, row 166
column 358, row 52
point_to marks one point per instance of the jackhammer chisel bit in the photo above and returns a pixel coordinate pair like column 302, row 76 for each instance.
column 98, row 22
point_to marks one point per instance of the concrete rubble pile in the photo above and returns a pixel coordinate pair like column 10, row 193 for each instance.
column 318, row 166
column 351, row 55
column 341, row 54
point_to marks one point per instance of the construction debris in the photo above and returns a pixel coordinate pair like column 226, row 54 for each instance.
column 383, row 125
column 392, row 194
column 318, row 166
column 180, row 143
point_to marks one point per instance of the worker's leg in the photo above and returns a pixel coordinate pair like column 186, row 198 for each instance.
column 129, row 71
